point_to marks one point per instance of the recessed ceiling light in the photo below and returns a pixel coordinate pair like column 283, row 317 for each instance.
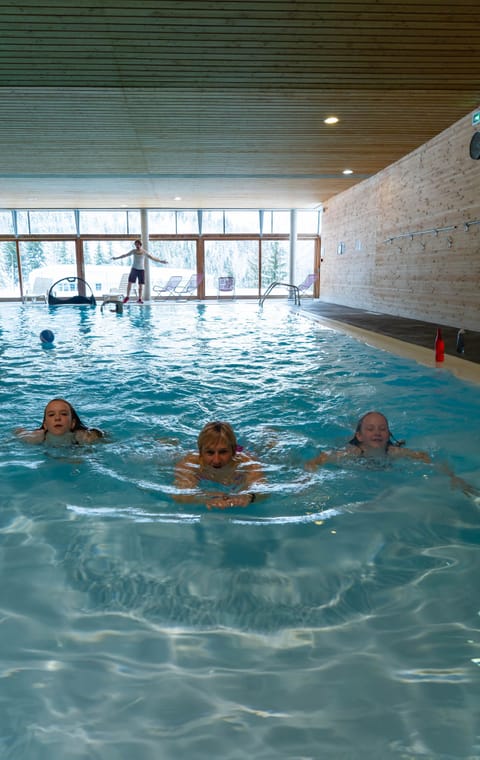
column 331, row 120
column 347, row 171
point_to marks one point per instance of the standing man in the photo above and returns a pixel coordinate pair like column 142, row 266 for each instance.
column 137, row 271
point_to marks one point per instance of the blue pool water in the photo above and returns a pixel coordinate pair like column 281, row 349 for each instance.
column 337, row 618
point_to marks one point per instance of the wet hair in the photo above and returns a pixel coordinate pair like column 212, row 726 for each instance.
column 212, row 431
column 392, row 441
column 77, row 422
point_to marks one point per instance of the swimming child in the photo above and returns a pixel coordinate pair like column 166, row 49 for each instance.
column 372, row 439
column 219, row 460
column 61, row 425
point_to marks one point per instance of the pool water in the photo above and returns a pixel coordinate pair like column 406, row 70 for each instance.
column 336, row 618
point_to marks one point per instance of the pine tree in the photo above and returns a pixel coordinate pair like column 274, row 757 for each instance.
column 98, row 258
column 33, row 256
column 8, row 265
column 63, row 256
column 274, row 266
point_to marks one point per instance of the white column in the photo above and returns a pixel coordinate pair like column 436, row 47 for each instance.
column 293, row 245
column 146, row 244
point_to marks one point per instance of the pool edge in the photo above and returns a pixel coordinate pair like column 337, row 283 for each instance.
column 461, row 368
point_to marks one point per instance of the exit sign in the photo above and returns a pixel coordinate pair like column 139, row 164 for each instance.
column 476, row 118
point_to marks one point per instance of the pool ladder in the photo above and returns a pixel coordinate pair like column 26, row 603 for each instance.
column 293, row 288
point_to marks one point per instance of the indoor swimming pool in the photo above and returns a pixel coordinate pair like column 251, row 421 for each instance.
column 337, row 617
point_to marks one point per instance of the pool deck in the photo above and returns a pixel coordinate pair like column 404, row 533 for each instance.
column 406, row 337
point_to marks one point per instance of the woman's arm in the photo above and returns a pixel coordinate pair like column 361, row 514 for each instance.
column 253, row 476
column 186, row 479
column 30, row 436
column 252, row 469
column 88, row 436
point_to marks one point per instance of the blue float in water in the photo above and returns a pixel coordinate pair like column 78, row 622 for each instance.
column 47, row 336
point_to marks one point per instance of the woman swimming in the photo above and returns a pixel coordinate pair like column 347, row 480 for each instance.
column 61, row 425
column 219, row 460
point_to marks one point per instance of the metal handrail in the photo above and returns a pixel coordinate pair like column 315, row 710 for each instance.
column 273, row 285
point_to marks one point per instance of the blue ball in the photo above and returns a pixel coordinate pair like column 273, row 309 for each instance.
column 47, row 336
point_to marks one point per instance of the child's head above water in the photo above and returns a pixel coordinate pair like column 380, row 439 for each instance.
column 60, row 417
column 373, row 432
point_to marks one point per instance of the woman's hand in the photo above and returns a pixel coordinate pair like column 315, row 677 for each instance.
column 226, row 501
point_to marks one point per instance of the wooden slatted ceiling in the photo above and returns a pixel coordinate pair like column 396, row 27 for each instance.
column 247, row 43
column 125, row 101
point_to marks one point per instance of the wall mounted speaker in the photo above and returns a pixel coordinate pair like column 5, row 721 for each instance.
column 475, row 146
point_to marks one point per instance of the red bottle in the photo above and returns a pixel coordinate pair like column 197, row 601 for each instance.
column 439, row 346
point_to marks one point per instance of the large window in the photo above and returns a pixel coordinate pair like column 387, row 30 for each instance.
column 232, row 258
column 212, row 223
column 9, row 278
column 44, row 262
column 7, row 226
column 308, row 222
column 275, row 255
column 162, row 222
column 242, row 222
column 276, row 222
column 110, row 222
column 304, row 260
column 46, row 222
column 181, row 258
column 252, row 246
column 102, row 274
column 187, row 223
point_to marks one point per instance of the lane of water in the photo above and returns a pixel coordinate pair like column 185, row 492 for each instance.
column 338, row 618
